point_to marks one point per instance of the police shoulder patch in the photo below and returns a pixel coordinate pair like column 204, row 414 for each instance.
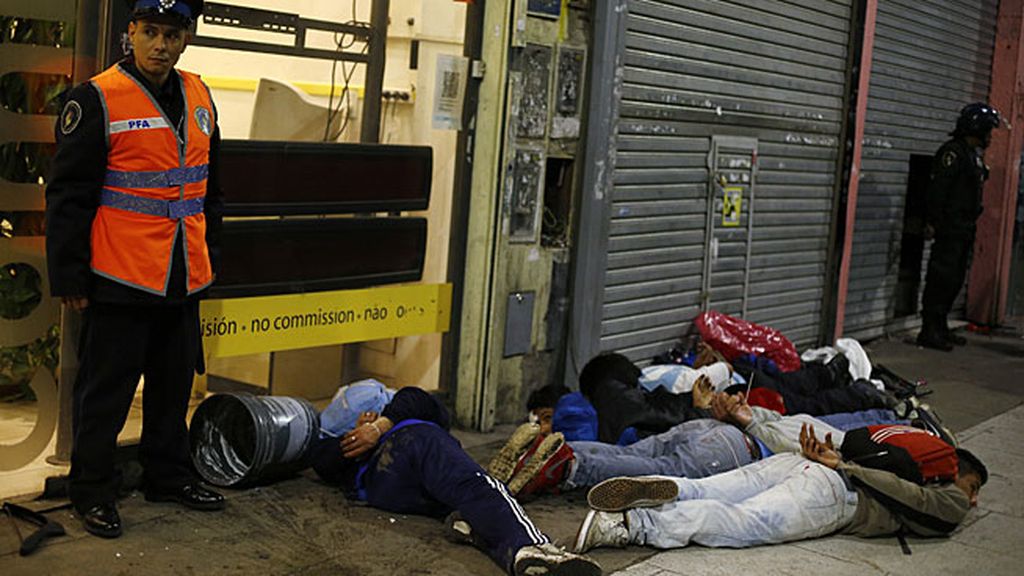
column 70, row 117
column 949, row 159
column 203, row 120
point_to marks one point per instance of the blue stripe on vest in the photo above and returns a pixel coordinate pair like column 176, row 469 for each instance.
column 160, row 179
column 174, row 209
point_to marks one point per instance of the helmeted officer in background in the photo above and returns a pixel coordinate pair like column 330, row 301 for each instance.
column 953, row 206
column 133, row 214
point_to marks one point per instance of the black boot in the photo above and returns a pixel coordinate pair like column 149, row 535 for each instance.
column 931, row 334
column 956, row 339
column 952, row 338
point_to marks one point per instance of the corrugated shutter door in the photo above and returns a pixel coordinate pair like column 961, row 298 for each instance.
column 769, row 70
column 930, row 59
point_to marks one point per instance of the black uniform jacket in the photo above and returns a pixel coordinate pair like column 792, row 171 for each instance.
column 954, row 191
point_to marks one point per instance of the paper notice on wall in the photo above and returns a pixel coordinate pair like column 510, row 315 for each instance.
column 449, row 91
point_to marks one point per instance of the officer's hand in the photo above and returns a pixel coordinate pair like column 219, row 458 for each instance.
column 76, row 303
column 929, row 232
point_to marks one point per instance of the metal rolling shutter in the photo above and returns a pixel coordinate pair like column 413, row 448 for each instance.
column 930, row 58
column 693, row 69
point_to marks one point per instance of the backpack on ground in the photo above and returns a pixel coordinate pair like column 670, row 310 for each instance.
column 911, row 453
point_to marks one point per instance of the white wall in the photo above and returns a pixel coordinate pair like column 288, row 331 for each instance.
column 434, row 21
column 439, row 26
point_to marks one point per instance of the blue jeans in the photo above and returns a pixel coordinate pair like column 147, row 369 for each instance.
column 847, row 421
column 693, row 449
column 782, row 498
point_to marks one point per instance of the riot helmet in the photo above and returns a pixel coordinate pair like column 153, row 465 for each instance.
column 977, row 119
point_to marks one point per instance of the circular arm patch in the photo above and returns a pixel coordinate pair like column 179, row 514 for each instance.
column 70, row 117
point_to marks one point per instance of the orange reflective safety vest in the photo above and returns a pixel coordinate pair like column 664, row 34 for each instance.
column 155, row 185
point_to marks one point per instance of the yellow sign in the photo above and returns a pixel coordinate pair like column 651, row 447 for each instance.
column 271, row 323
column 732, row 203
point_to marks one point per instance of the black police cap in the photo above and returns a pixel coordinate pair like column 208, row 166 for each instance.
column 182, row 12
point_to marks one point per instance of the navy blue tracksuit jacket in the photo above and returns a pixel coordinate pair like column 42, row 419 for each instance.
column 427, row 472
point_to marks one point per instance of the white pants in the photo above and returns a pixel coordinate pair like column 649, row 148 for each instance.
column 783, row 498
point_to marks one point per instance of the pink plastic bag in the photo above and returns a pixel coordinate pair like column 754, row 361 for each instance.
column 734, row 337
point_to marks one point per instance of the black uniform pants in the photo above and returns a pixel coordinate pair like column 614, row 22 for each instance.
column 119, row 343
column 947, row 270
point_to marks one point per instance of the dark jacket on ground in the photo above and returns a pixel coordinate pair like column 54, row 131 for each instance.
column 813, row 389
column 612, row 385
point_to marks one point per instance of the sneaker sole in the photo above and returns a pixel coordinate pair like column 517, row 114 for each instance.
column 618, row 494
column 504, row 462
column 545, row 452
column 569, row 567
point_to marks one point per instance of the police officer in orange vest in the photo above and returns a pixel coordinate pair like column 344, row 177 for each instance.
column 133, row 219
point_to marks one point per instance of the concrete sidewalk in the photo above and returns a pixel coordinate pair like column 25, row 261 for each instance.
column 991, row 541
column 300, row 526
column 978, row 390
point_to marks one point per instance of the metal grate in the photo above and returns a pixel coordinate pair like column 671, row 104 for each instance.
column 929, row 59
column 769, row 70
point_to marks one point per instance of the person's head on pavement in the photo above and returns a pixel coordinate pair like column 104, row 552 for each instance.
column 159, row 32
column 975, row 124
column 971, row 475
column 607, row 366
column 541, row 405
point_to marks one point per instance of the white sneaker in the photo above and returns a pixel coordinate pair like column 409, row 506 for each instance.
column 602, row 529
column 550, row 560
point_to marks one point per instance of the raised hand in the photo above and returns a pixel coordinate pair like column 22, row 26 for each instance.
column 732, row 409
column 819, row 451
column 703, row 392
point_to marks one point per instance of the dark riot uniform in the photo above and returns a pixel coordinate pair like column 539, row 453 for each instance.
column 126, row 332
column 953, row 206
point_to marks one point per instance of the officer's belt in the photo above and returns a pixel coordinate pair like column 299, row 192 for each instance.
column 173, row 209
column 159, row 179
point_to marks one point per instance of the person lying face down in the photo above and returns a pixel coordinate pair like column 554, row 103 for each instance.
column 783, row 498
column 426, row 471
column 533, row 461
column 654, row 399
column 611, row 384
